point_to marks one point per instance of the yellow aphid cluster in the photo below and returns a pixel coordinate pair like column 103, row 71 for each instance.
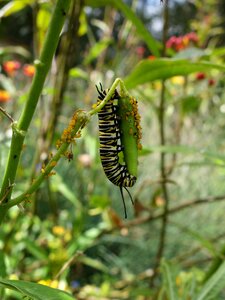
column 53, row 163
column 137, row 121
column 68, row 135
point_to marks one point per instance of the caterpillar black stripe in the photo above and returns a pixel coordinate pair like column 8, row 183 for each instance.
column 110, row 145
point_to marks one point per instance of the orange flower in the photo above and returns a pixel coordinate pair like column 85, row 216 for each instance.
column 11, row 66
column 4, row 96
column 28, row 70
column 178, row 43
column 151, row 57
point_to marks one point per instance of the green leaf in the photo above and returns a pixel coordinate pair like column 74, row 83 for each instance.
column 213, row 286
column 168, row 280
column 34, row 290
column 191, row 52
column 163, row 68
column 97, row 49
column 13, row 7
column 78, row 73
column 94, row 263
column 43, row 19
column 15, row 50
column 142, row 31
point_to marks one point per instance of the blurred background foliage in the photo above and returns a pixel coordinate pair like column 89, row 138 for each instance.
column 71, row 234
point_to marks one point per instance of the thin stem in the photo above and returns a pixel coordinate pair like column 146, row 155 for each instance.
column 107, row 98
column 42, row 68
column 6, row 114
column 165, row 192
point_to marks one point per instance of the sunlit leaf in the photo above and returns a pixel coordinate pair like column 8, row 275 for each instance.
column 34, row 290
column 78, row 73
column 163, row 68
column 96, row 50
column 213, row 285
column 13, row 7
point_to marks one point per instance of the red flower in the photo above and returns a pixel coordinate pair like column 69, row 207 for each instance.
column 171, row 42
column 11, row 66
column 4, row 96
column 175, row 43
column 200, row 76
column 140, row 51
column 28, row 70
column 178, row 43
column 211, row 82
column 192, row 36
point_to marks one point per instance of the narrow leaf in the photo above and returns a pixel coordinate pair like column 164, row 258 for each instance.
column 168, row 280
column 34, row 290
column 214, row 285
column 163, row 68
column 13, row 7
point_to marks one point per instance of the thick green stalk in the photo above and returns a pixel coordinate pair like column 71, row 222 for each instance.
column 42, row 68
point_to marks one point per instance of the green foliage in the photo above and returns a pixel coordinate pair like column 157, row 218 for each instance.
column 142, row 31
column 35, row 291
column 68, row 231
column 213, row 285
column 148, row 70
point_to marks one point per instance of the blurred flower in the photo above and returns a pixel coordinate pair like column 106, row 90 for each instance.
column 85, row 160
column 151, row 57
column 179, row 80
column 140, row 51
column 49, row 282
column 200, row 76
column 211, row 82
column 4, row 96
column 192, row 36
column 58, row 230
column 178, row 43
column 11, row 66
column 28, row 70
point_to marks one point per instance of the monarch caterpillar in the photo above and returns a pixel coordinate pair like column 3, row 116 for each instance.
column 111, row 144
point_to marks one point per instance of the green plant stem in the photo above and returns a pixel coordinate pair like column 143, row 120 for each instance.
column 165, row 193
column 163, row 177
column 42, row 68
column 108, row 96
column 82, row 118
